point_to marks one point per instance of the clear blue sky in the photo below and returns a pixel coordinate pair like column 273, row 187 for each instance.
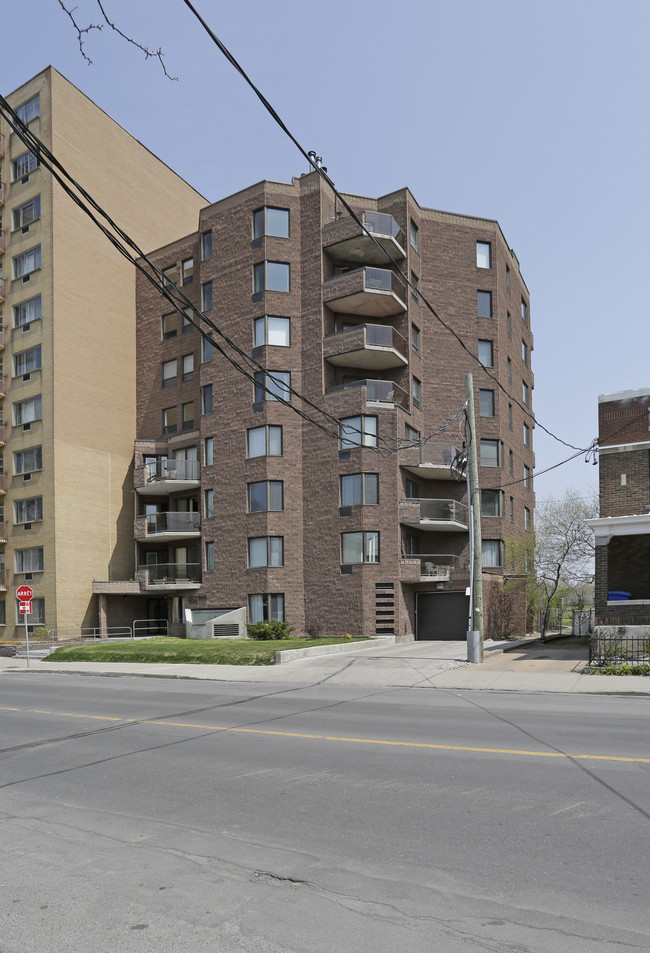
column 535, row 114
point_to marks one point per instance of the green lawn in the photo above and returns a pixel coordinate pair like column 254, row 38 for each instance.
column 188, row 651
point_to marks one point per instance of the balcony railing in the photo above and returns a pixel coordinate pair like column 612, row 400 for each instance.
column 345, row 240
column 437, row 567
column 158, row 523
column 435, row 511
column 370, row 291
column 430, row 460
column 385, row 392
column 162, row 470
column 372, row 346
column 3, row 580
column 172, row 574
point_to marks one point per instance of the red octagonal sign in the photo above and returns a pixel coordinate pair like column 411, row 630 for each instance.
column 24, row 593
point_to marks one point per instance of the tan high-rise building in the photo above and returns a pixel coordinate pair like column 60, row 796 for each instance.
column 67, row 304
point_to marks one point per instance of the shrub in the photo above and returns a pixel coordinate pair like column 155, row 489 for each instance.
column 264, row 631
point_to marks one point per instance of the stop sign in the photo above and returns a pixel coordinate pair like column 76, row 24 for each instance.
column 24, row 593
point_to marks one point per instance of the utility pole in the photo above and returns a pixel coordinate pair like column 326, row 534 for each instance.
column 475, row 630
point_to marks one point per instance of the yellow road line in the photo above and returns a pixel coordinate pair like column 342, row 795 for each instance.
column 343, row 738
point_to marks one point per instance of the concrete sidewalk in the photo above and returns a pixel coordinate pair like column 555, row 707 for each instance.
column 406, row 664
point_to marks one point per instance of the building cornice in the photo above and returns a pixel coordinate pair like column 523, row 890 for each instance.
column 606, row 527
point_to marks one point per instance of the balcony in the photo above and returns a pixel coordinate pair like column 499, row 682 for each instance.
column 432, row 568
column 431, row 461
column 376, row 347
column 169, row 525
column 2, row 289
column 447, row 516
column 3, row 484
column 166, row 576
column 3, row 531
column 3, row 580
column 3, row 435
column 377, row 392
column 345, row 241
column 372, row 292
column 167, row 476
column 3, row 386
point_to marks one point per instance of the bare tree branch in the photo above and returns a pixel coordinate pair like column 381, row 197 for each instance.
column 148, row 54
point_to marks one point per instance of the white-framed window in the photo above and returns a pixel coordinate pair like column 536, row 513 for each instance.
column 188, row 367
column 23, row 165
column 26, row 213
column 486, row 353
column 208, row 451
column 170, row 276
column 28, row 461
column 265, row 551
column 187, row 271
column 359, row 548
column 274, row 385
column 208, row 504
column 486, row 403
column 27, row 361
column 206, row 296
column 27, row 311
column 272, row 330
column 492, row 502
column 30, row 109
column 271, row 276
column 490, row 453
column 169, row 372
column 360, row 489
column 266, row 496
column 483, row 255
column 206, row 245
column 29, row 560
column 169, row 326
column 29, row 510
column 492, row 551
column 209, row 556
column 484, row 304
column 358, row 432
column 416, row 392
column 27, row 262
column 414, row 236
column 206, row 399
column 271, row 221
column 26, row 411
column 265, row 441
column 266, row 607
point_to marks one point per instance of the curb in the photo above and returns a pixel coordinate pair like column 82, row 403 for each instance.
column 291, row 655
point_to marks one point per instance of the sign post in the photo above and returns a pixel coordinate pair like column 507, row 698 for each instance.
column 24, row 594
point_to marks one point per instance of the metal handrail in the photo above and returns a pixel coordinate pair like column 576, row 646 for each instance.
column 446, row 510
column 173, row 522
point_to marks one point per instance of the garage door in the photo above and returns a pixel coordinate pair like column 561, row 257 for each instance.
column 442, row 616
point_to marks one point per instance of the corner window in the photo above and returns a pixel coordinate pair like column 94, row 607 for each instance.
column 491, row 502
column 486, row 403
column 26, row 213
column 483, row 255
column 206, row 399
column 414, row 236
column 490, row 453
column 27, row 311
column 30, row 109
column 492, row 552
column 26, row 263
column 265, row 441
column 274, row 385
column 360, row 489
column 27, row 361
column 27, row 411
column 486, row 353
column 266, row 607
column 266, row 496
column 265, row 551
column 206, row 245
column 271, row 276
column 23, row 165
column 206, row 296
column 359, row 548
column 358, row 432
column 273, row 331
column 169, row 326
column 271, row 221
column 484, row 304
column 187, row 271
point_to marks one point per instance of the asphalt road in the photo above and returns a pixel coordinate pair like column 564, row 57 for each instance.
column 160, row 815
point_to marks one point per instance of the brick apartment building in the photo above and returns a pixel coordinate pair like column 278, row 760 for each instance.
column 245, row 510
column 622, row 592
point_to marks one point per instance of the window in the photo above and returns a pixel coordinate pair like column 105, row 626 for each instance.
column 412, row 489
column 265, row 441
column 525, row 393
column 415, row 338
column 169, row 326
column 271, row 221
column 484, row 304
column 209, row 557
column 29, row 110
column 512, row 509
column 26, row 213
column 510, row 416
column 272, row 386
column 486, row 353
column 360, row 489
column 273, row 331
column 509, row 324
column 208, row 451
column 206, row 245
column 187, row 415
column 271, row 276
column 206, row 296
column 527, row 436
column 23, row 165
column 266, row 496
column 490, row 453
column 492, row 553
column 507, row 278
column 206, row 399
column 524, row 353
column 416, row 391
column 415, row 286
column 27, row 262
column 170, row 420
column 265, row 551
column 188, row 367
column 509, row 368
column 358, row 432
column 414, row 234
column 169, row 373
column 527, row 475
column 28, row 511
column 486, row 403
column 208, row 501
column 524, row 311
column 3, row 612
column 187, row 320
column 491, row 502
column 27, row 461
column 359, row 548
column 187, row 271
column 36, row 616
column 411, row 434
column 266, row 607
column 483, row 255
column 27, row 311
column 206, row 350
column 29, row 560
column 511, row 463
column 528, row 522
column 27, row 361
column 170, row 276
column 26, row 411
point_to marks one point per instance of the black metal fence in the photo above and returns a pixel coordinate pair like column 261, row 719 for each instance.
column 615, row 649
